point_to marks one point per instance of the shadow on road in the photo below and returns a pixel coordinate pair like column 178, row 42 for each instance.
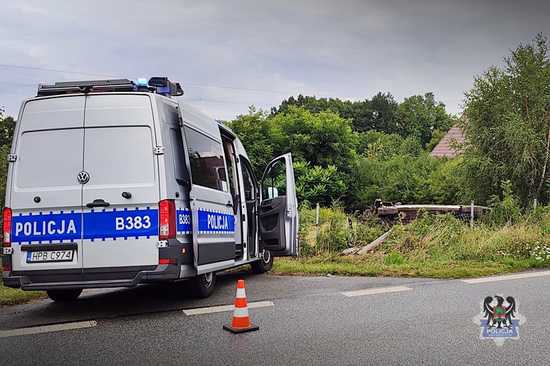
column 113, row 303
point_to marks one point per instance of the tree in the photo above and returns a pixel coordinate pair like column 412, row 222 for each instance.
column 315, row 184
column 320, row 139
column 254, row 131
column 404, row 178
column 508, row 126
column 383, row 146
column 322, row 144
column 7, row 126
column 419, row 116
column 378, row 114
column 345, row 109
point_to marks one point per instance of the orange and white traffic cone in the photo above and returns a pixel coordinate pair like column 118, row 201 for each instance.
column 241, row 321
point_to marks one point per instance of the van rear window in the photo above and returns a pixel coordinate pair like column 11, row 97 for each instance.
column 49, row 158
column 119, row 155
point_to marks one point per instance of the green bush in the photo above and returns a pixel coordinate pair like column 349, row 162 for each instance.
column 505, row 210
column 315, row 184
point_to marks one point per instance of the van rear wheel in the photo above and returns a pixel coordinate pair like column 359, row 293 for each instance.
column 64, row 295
column 264, row 264
column 203, row 285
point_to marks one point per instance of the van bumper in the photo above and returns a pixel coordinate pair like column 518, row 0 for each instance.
column 107, row 276
column 91, row 278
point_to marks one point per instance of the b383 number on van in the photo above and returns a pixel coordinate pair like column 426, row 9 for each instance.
column 132, row 222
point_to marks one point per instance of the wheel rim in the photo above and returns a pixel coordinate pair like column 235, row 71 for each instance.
column 208, row 277
column 266, row 256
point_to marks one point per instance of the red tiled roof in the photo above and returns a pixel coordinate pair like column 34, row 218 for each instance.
column 444, row 148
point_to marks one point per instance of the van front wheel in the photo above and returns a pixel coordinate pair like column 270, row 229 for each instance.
column 203, row 285
column 64, row 295
column 264, row 264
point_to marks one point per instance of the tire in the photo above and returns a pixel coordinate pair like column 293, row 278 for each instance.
column 264, row 264
column 64, row 295
column 203, row 285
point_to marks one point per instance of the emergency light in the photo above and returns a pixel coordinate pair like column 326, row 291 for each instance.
column 165, row 87
column 159, row 85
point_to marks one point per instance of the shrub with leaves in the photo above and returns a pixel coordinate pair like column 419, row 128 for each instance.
column 505, row 210
column 315, row 184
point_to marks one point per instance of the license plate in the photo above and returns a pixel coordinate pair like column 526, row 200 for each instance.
column 50, row 256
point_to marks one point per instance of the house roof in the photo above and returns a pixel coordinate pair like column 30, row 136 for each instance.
column 445, row 147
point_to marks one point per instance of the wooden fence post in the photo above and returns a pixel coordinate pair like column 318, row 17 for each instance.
column 317, row 209
column 472, row 214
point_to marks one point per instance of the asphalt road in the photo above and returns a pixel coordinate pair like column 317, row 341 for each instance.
column 313, row 320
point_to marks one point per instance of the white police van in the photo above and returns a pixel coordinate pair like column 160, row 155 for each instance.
column 113, row 183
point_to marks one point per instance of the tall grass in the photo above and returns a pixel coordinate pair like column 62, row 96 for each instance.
column 336, row 231
column 433, row 245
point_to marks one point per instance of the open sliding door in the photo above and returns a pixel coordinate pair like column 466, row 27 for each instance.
column 213, row 220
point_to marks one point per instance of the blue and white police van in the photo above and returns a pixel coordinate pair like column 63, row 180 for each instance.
column 113, row 183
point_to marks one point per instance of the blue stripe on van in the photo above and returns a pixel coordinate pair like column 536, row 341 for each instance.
column 213, row 222
column 110, row 224
column 46, row 227
column 120, row 224
column 183, row 221
column 67, row 226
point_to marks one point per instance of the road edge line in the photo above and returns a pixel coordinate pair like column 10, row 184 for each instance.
column 516, row 276
column 47, row 328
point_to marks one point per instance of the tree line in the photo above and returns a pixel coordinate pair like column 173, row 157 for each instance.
column 355, row 152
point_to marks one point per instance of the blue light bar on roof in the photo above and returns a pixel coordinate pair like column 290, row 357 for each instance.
column 165, row 87
column 141, row 82
column 160, row 85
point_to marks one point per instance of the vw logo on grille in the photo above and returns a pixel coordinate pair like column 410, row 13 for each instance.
column 83, row 177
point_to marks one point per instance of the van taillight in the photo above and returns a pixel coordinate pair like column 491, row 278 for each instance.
column 6, row 227
column 167, row 219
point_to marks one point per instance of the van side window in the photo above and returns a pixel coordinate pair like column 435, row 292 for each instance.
column 206, row 159
column 248, row 182
column 274, row 183
column 176, row 141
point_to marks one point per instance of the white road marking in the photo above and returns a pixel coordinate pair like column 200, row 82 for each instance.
column 47, row 328
column 374, row 291
column 222, row 308
column 507, row 277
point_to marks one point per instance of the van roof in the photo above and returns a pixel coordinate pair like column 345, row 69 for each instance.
column 191, row 115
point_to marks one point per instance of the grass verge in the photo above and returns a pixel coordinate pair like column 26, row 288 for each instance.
column 431, row 246
column 360, row 266
column 11, row 296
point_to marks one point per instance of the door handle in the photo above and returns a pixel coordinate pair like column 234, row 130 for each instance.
column 229, row 204
column 98, row 203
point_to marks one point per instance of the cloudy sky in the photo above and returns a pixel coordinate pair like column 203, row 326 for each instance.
column 232, row 54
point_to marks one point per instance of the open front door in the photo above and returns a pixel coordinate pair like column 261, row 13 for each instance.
column 278, row 215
